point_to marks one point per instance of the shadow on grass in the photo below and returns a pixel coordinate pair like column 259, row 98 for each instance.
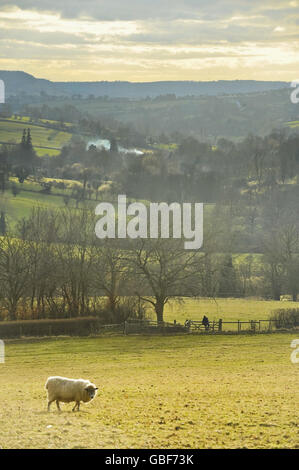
column 62, row 412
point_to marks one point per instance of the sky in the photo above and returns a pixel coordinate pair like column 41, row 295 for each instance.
column 151, row 40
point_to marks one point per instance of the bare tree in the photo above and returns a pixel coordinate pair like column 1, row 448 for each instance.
column 14, row 273
column 290, row 247
column 167, row 269
column 74, row 261
column 281, row 260
column 110, row 274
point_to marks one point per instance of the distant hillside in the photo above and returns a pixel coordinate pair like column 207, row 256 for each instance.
column 20, row 82
column 153, row 89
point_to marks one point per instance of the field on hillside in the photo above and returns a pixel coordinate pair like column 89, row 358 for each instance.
column 22, row 205
column 11, row 132
column 293, row 124
column 31, row 195
column 154, row 392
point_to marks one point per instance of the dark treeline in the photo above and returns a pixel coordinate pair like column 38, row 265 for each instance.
column 254, row 182
column 192, row 170
column 56, row 267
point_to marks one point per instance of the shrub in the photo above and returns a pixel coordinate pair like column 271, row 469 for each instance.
column 285, row 318
column 70, row 327
column 126, row 308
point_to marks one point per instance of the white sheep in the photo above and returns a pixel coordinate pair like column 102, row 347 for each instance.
column 68, row 390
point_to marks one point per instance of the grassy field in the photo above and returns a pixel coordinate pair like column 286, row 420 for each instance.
column 11, row 131
column 21, row 206
column 293, row 124
column 46, row 152
column 154, row 392
column 30, row 196
column 227, row 309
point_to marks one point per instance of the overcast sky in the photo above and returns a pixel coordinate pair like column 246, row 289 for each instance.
column 148, row 40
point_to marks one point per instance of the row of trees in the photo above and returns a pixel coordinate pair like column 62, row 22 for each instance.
column 56, row 267
column 191, row 170
column 281, row 261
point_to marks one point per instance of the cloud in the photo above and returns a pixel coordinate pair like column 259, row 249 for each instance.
column 147, row 10
column 155, row 39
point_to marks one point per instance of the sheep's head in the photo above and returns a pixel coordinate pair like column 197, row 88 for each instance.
column 91, row 391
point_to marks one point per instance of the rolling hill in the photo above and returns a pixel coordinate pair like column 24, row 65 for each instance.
column 18, row 82
column 47, row 140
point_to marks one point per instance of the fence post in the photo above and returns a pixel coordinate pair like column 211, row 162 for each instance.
column 239, row 326
column 125, row 327
column 220, row 325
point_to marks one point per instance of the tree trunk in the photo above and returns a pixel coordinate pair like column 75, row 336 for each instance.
column 159, row 308
column 13, row 311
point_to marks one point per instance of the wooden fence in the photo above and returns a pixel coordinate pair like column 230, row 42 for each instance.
column 152, row 327
column 196, row 326
column 239, row 326
column 91, row 326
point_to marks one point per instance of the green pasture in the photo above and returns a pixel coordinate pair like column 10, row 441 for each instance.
column 154, row 392
column 228, row 309
column 11, row 132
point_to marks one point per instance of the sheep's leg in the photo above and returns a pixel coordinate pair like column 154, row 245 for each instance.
column 49, row 404
column 76, row 405
column 58, row 407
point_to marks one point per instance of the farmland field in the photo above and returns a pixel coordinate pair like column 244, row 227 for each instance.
column 31, row 196
column 21, row 206
column 226, row 308
column 11, row 132
column 155, row 392
column 293, row 124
